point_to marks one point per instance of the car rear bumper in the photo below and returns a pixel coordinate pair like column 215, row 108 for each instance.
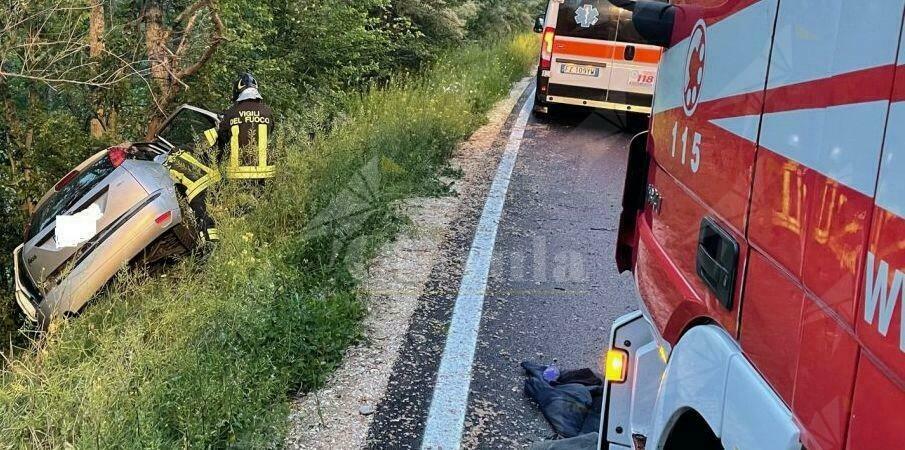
column 27, row 300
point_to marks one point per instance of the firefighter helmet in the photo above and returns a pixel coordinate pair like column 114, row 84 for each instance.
column 245, row 81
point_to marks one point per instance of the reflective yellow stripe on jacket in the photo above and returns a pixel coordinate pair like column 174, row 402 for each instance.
column 206, row 176
column 236, row 170
column 211, row 136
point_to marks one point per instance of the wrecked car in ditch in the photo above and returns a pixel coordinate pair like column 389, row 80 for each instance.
column 119, row 206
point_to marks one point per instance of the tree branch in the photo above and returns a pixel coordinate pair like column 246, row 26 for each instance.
column 180, row 49
column 47, row 46
column 215, row 41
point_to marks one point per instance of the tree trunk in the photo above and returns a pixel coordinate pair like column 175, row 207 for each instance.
column 170, row 66
column 27, row 151
column 20, row 139
column 112, row 118
column 156, row 39
column 95, row 52
column 8, row 114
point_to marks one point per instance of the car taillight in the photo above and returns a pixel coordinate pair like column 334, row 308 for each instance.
column 164, row 219
column 117, row 156
column 65, row 180
column 546, row 50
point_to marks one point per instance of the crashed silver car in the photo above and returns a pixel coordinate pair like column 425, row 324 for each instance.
column 118, row 206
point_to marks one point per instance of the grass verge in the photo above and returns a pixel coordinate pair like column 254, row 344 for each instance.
column 209, row 355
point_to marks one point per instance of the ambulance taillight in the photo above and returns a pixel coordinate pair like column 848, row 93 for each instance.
column 546, row 51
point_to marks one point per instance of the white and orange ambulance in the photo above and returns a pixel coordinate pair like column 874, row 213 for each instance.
column 764, row 222
column 592, row 56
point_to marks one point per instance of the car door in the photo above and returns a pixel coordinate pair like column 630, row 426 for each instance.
column 186, row 128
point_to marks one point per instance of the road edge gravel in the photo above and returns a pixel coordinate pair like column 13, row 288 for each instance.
column 339, row 414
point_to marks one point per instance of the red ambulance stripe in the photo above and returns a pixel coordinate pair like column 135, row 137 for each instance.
column 594, row 50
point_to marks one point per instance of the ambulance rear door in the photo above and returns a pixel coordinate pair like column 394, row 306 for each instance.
column 583, row 49
column 634, row 64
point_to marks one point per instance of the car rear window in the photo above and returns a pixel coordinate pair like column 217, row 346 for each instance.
column 596, row 19
column 60, row 202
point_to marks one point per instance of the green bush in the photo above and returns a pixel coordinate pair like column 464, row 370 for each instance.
column 501, row 17
column 209, row 355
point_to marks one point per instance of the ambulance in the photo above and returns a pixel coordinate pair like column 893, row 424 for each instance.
column 764, row 223
column 592, row 56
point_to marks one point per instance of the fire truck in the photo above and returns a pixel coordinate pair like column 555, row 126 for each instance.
column 764, row 222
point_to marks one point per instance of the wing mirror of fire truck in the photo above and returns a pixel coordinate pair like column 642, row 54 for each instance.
column 653, row 19
column 539, row 24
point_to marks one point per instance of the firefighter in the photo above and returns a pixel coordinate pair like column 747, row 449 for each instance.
column 194, row 175
column 244, row 133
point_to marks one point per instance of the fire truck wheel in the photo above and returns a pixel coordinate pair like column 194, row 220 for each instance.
column 636, row 123
column 691, row 431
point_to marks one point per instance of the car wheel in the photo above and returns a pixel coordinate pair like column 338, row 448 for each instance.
column 168, row 245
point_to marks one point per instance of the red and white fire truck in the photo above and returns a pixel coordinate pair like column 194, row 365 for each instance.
column 764, row 221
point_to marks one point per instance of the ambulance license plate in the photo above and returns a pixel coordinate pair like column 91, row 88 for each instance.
column 641, row 78
column 575, row 69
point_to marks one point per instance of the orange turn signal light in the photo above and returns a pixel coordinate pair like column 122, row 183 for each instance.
column 616, row 365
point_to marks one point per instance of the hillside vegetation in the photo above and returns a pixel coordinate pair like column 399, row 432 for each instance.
column 209, row 354
column 77, row 76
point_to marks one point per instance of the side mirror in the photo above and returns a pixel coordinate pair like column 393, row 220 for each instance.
column 654, row 21
column 539, row 24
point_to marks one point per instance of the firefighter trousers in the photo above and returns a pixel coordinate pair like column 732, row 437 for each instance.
column 207, row 229
column 193, row 179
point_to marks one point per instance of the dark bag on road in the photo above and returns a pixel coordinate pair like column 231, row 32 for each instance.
column 571, row 404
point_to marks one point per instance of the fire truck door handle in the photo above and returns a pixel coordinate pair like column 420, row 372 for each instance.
column 717, row 260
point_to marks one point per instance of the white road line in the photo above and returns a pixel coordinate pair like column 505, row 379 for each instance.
column 446, row 418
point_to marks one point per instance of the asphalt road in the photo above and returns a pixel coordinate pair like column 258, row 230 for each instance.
column 553, row 289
